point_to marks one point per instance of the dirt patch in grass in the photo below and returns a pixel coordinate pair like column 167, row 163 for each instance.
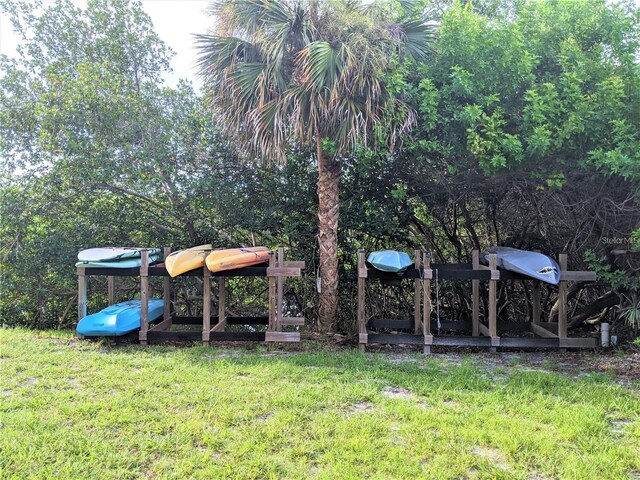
column 397, row 392
column 361, row 407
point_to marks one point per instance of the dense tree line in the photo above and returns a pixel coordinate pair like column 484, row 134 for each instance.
column 526, row 133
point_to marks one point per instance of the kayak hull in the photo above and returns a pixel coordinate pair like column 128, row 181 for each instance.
column 531, row 264
column 123, row 263
column 105, row 254
column 186, row 260
column 118, row 319
column 390, row 261
column 230, row 259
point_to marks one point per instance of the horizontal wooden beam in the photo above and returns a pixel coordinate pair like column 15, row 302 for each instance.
column 577, row 342
column 399, row 339
column 283, row 272
column 296, row 321
column 295, row 263
column 162, row 326
column 578, row 276
column 282, row 337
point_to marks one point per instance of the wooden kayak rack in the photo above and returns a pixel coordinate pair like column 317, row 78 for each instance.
column 484, row 332
column 213, row 327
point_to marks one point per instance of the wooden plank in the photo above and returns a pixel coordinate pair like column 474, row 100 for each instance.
column 250, row 320
column 482, row 328
column 206, row 304
column 417, row 318
column 171, row 336
column 295, row 321
column 363, row 338
column 166, row 292
column 399, row 339
column 542, row 332
column 426, row 295
column 177, row 336
column 391, row 323
column 475, row 296
column 363, row 272
column 577, row 342
column 462, row 341
column 111, row 290
column 562, row 298
column 529, row 342
column 83, row 283
column 295, row 264
column 284, row 272
column 282, row 337
column 578, row 276
column 279, row 290
column 162, row 326
column 362, row 328
column 187, row 320
column 144, row 296
column 493, row 307
column 535, row 307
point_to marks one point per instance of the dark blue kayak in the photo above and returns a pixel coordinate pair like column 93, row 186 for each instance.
column 118, row 319
column 532, row 264
column 390, row 261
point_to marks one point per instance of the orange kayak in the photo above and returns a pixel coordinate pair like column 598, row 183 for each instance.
column 232, row 258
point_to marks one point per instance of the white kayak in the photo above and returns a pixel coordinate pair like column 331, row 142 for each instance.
column 112, row 254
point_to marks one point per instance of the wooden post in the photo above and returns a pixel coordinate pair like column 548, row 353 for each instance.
column 206, row 304
column 279, row 290
column 562, row 299
column 83, row 283
column 272, row 294
column 426, row 312
column 166, row 292
column 475, row 296
column 362, row 326
column 416, row 296
column 535, row 308
column 144, row 296
column 111, row 289
column 493, row 308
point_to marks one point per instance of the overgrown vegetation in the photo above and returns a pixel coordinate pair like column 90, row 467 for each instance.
column 527, row 135
column 75, row 409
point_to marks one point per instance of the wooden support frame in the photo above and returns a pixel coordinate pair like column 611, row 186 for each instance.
column 277, row 272
column 548, row 335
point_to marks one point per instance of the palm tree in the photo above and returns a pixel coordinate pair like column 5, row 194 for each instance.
column 285, row 73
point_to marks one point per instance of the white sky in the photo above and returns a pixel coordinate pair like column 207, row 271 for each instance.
column 174, row 21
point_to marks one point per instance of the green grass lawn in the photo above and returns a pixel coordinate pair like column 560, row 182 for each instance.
column 74, row 409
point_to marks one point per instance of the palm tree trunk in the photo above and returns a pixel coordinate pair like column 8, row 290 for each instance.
column 328, row 213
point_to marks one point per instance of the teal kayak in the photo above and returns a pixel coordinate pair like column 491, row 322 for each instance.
column 123, row 263
column 118, row 319
column 390, row 261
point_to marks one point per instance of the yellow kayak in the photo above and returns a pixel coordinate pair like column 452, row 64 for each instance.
column 232, row 258
column 185, row 260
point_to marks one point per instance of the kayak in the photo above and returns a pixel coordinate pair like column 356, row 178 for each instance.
column 232, row 258
column 105, row 254
column 123, row 263
column 186, row 260
column 532, row 264
column 390, row 261
column 118, row 319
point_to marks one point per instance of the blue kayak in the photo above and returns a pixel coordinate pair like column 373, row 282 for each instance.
column 118, row 319
column 532, row 264
column 390, row 261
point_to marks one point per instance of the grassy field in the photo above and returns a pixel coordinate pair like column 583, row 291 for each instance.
column 72, row 409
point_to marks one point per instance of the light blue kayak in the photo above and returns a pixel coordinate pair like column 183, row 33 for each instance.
column 111, row 254
column 532, row 264
column 390, row 261
column 123, row 263
column 118, row 319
